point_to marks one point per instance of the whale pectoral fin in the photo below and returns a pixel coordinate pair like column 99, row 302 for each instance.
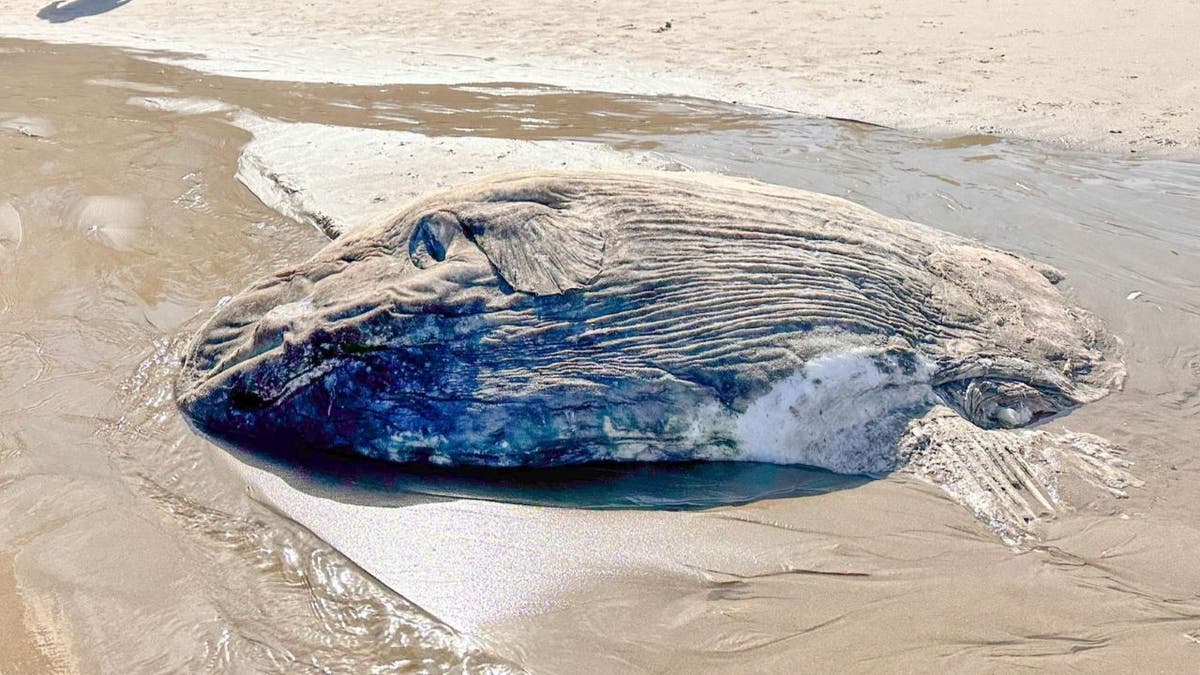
column 536, row 248
column 1008, row 478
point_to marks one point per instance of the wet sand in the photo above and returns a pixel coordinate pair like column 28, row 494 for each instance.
column 1120, row 74
column 133, row 547
column 140, row 547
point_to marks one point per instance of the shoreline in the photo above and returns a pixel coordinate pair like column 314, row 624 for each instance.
column 1131, row 87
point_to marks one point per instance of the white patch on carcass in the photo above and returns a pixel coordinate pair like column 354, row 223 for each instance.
column 842, row 412
column 710, row 421
column 289, row 312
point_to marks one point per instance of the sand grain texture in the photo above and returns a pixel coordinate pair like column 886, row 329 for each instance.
column 1119, row 75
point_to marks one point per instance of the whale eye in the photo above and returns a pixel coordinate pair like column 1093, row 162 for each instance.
column 432, row 238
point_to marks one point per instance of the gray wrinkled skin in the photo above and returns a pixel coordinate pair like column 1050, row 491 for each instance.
column 549, row 318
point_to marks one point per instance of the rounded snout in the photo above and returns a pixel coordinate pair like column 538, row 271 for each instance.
column 244, row 326
column 344, row 352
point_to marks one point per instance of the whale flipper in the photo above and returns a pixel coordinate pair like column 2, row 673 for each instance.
column 1008, row 478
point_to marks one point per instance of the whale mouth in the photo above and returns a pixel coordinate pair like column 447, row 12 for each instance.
column 997, row 403
column 1018, row 410
column 1003, row 392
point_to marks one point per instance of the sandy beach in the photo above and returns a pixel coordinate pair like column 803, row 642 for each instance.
column 1084, row 73
column 163, row 155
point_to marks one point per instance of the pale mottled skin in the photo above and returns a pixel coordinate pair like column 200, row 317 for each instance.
column 567, row 317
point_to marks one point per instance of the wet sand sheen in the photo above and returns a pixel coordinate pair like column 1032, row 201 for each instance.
column 142, row 529
column 26, row 651
column 152, row 555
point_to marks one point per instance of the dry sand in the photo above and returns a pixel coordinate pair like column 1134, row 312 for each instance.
column 369, row 173
column 1122, row 75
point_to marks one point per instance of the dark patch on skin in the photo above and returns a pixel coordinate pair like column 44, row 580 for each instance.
column 247, row 401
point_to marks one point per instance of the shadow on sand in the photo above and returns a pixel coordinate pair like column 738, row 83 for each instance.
column 61, row 11
column 670, row 486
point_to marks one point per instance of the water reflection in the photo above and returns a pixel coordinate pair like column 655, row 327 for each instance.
column 673, row 486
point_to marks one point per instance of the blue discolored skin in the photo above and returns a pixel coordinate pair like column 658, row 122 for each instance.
column 444, row 402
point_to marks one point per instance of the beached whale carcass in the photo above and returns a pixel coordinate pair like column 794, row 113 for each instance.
column 549, row 318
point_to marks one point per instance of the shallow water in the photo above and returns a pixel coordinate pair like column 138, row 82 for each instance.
column 128, row 544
